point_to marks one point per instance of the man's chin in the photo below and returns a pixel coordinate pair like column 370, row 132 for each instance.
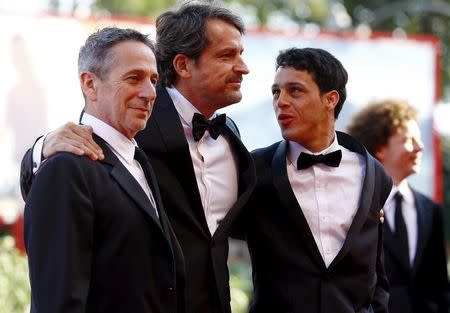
column 287, row 135
column 415, row 169
column 231, row 99
column 236, row 96
column 140, row 125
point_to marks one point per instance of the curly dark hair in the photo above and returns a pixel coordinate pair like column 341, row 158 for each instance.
column 379, row 120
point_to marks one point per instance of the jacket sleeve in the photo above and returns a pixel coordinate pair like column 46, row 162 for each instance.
column 381, row 297
column 436, row 261
column 58, row 234
column 26, row 172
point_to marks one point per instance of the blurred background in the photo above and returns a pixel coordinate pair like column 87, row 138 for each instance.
column 391, row 49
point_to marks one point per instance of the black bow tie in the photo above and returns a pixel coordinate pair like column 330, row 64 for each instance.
column 200, row 124
column 306, row 160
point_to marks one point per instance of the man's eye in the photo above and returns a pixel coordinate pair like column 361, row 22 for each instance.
column 275, row 93
column 226, row 56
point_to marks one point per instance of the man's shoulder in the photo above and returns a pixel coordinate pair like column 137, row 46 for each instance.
column 69, row 162
column 268, row 150
column 263, row 156
column 381, row 178
column 66, row 162
column 66, row 157
column 424, row 200
column 351, row 143
column 232, row 125
column 62, row 170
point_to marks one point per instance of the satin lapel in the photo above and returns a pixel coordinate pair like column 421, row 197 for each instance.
column 246, row 180
column 168, row 121
column 424, row 222
column 179, row 158
column 134, row 190
column 127, row 181
column 365, row 200
column 289, row 202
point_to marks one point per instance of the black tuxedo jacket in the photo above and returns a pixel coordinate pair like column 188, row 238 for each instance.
column 289, row 274
column 95, row 243
column 422, row 288
column 163, row 140
column 207, row 278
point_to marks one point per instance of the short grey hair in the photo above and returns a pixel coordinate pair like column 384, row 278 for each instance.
column 95, row 55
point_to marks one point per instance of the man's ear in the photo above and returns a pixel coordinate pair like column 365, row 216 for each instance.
column 89, row 85
column 183, row 65
column 331, row 99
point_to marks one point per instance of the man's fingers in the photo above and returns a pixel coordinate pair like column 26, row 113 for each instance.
column 83, row 131
column 68, row 147
column 87, row 147
column 76, row 148
column 87, row 143
column 72, row 138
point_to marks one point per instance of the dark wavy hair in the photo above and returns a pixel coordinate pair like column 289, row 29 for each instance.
column 183, row 31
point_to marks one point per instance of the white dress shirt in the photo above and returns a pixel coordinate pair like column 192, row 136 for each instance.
column 409, row 213
column 328, row 196
column 214, row 165
column 120, row 145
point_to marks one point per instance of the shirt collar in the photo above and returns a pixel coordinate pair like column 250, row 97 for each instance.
column 115, row 140
column 405, row 190
column 184, row 108
column 294, row 150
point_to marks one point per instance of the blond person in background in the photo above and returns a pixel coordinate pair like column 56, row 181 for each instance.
column 415, row 257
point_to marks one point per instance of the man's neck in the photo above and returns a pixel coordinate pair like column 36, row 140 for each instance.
column 206, row 109
column 321, row 142
column 397, row 182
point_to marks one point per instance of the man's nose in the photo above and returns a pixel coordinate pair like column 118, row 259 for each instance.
column 282, row 100
column 148, row 91
column 241, row 67
column 418, row 144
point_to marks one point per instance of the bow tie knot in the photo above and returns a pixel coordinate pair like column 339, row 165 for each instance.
column 200, row 124
column 306, row 160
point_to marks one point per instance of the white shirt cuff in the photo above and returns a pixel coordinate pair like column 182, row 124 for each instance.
column 37, row 153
